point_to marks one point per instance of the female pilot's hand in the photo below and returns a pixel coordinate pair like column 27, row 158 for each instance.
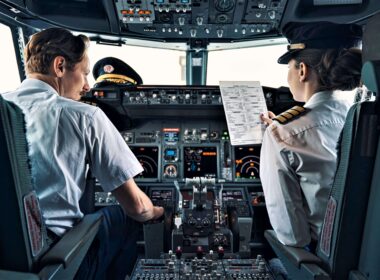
column 267, row 117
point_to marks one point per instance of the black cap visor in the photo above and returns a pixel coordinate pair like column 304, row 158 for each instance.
column 286, row 57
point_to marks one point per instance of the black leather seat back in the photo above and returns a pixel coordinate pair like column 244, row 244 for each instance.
column 22, row 234
column 25, row 250
column 342, row 234
column 370, row 254
column 340, row 241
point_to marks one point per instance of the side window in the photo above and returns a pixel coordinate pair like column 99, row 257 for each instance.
column 9, row 75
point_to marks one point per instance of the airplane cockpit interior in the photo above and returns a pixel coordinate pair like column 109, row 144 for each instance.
column 199, row 151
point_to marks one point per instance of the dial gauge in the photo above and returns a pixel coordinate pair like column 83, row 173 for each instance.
column 224, row 5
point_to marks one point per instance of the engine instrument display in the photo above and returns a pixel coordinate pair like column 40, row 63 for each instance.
column 247, row 162
column 200, row 162
column 148, row 158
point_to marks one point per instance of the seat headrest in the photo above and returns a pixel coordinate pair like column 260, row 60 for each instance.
column 371, row 39
column 371, row 54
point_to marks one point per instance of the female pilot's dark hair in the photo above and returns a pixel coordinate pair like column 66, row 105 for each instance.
column 337, row 69
column 46, row 45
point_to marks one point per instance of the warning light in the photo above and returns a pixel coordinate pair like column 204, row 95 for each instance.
column 127, row 12
column 209, row 153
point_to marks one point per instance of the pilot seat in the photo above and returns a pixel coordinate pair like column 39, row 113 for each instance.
column 26, row 252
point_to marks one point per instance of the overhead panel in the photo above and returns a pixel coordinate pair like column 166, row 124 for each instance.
column 219, row 20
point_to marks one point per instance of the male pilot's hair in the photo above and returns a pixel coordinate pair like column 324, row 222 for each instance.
column 337, row 69
column 45, row 46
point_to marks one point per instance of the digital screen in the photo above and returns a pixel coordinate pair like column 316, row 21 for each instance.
column 232, row 195
column 247, row 162
column 200, row 162
column 161, row 195
column 148, row 158
column 170, row 152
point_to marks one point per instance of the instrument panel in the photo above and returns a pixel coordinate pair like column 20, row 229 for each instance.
column 163, row 162
column 179, row 132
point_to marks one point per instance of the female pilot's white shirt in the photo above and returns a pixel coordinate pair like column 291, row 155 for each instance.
column 297, row 167
column 63, row 135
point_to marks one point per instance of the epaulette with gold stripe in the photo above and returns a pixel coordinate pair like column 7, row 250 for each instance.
column 290, row 114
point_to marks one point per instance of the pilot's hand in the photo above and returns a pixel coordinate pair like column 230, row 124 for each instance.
column 267, row 117
column 157, row 212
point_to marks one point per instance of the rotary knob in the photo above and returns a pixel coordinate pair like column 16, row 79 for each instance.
column 206, row 222
column 192, row 222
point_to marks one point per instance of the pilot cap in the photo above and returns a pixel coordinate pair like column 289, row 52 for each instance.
column 319, row 35
column 111, row 70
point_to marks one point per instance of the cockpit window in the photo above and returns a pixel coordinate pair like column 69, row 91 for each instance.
column 9, row 74
column 248, row 64
column 168, row 67
column 155, row 66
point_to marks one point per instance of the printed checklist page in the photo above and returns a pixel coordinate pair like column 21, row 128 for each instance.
column 243, row 102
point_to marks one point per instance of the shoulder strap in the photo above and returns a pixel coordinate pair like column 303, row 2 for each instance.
column 290, row 114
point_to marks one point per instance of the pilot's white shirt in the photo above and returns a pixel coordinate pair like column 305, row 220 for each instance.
column 298, row 164
column 63, row 135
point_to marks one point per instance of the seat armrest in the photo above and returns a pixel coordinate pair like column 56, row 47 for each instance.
column 72, row 242
column 295, row 255
column 15, row 275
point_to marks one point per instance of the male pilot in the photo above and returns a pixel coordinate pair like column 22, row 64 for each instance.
column 65, row 138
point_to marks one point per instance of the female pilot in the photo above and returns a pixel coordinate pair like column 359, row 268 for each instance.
column 299, row 149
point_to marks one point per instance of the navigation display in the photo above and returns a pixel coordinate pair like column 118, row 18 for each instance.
column 200, row 162
column 148, row 158
column 247, row 162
